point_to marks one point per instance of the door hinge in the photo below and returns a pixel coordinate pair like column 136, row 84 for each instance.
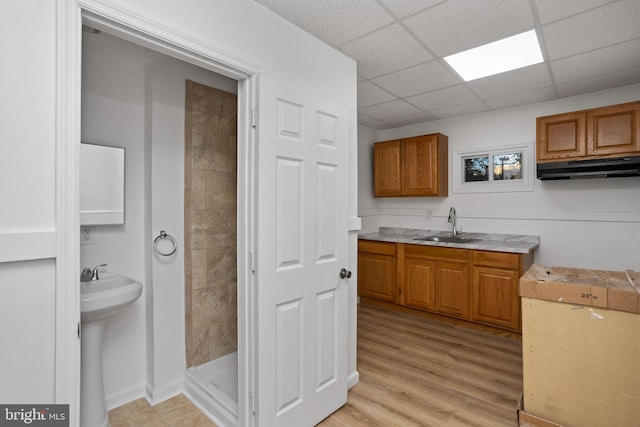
column 252, row 261
column 254, row 118
column 253, row 402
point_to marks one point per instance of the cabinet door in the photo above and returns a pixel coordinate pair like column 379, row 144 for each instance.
column 387, row 158
column 495, row 297
column 419, row 283
column 561, row 136
column 377, row 276
column 614, row 130
column 420, row 162
column 452, row 289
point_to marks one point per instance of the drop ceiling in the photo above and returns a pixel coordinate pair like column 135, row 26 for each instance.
column 399, row 45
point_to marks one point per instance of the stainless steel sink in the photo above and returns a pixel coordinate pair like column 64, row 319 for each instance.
column 447, row 239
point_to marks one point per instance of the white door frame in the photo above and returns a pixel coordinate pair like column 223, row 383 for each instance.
column 146, row 32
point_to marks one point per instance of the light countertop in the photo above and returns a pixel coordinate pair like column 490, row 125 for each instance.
column 514, row 243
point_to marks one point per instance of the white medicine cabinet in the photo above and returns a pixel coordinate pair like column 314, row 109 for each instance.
column 101, row 184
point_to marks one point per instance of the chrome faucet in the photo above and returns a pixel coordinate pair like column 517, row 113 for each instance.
column 94, row 274
column 452, row 220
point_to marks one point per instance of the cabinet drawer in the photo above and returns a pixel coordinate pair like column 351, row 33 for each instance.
column 437, row 252
column 497, row 259
column 382, row 248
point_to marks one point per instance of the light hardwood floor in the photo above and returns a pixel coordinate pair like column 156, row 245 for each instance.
column 414, row 371
column 421, row 372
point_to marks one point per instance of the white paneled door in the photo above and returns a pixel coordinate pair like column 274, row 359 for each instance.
column 302, row 247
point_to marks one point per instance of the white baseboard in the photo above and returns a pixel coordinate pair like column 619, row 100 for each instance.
column 125, row 396
column 158, row 395
column 353, row 379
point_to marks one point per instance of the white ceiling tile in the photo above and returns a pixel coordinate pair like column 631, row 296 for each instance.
column 594, row 84
column 460, row 110
column 334, row 21
column 528, row 97
column 448, row 97
column 520, row 80
column 410, row 119
column 552, row 10
column 363, row 118
column 419, row 79
column 370, row 94
column 402, row 8
column 607, row 25
column 389, row 110
column 592, row 45
column 389, row 49
column 458, row 25
column 377, row 125
column 601, row 61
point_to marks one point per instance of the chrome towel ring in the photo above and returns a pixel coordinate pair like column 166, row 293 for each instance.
column 164, row 235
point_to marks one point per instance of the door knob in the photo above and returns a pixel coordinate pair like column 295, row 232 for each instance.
column 344, row 273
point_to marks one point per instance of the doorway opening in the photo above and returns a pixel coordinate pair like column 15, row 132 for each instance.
column 228, row 405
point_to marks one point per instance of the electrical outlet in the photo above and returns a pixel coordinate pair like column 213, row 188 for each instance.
column 86, row 236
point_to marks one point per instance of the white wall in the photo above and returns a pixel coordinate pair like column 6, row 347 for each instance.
column 27, row 194
column 587, row 223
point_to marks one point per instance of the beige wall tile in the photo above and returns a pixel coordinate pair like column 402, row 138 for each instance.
column 210, row 223
column 200, row 351
column 198, row 269
column 221, row 264
column 221, row 342
column 199, row 189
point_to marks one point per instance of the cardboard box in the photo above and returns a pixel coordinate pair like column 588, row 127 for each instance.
column 528, row 420
column 581, row 364
column 580, row 347
column 616, row 290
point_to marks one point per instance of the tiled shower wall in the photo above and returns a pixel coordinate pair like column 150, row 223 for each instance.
column 210, row 223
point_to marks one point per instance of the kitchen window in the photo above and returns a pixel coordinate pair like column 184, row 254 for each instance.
column 499, row 169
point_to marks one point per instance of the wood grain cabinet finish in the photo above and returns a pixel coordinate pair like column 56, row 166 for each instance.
column 377, row 270
column 387, row 160
column 452, row 290
column 410, row 167
column 479, row 286
column 495, row 299
column 435, row 279
column 612, row 131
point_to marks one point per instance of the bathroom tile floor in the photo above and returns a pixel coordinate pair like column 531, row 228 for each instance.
column 175, row 412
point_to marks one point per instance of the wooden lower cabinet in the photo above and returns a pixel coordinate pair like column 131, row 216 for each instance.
column 495, row 297
column 435, row 279
column 377, row 270
column 479, row 286
column 419, row 283
column 452, row 289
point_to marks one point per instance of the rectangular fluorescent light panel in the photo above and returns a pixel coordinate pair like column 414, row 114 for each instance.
column 497, row 57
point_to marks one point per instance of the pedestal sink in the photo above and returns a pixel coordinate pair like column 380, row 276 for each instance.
column 99, row 300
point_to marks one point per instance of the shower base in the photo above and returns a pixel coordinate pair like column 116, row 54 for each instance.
column 213, row 386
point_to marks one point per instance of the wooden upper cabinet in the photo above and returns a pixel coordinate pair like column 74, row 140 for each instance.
column 561, row 136
column 416, row 166
column 612, row 131
column 387, row 158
